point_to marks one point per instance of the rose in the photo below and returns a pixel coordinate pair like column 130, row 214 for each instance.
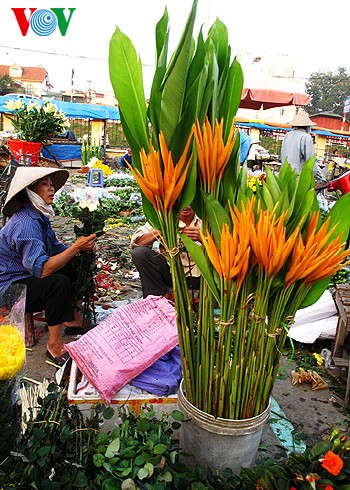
column 332, row 463
column 91, row 204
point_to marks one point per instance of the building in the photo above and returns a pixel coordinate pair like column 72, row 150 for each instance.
column 329, row 120
column 34, row 80
column 272, row 73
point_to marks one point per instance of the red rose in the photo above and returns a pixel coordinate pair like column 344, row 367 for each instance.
column 332, row 463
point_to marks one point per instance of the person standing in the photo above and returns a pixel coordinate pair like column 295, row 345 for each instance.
column 245, row 144
column 297, row 144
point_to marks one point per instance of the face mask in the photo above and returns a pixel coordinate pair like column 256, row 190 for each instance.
column 39, row 204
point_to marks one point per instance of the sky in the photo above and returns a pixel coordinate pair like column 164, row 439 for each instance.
column 309, row 29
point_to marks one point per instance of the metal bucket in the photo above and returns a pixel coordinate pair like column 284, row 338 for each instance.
column 216, row 442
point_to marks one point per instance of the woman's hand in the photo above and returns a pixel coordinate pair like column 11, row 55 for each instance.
column 85, row 242
column 57, row 261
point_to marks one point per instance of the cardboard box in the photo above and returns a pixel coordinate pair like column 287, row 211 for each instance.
column 132, row 398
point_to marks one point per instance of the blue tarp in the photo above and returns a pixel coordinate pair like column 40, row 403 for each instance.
column 63, row 152
column 262, row 126
column 71, row 109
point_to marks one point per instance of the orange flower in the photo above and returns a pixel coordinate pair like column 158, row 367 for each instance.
column 269, row 242
column 231, row 259
column 212, row 153
column 332, row 463
column 328, row 487
column 160, row 180
column 317, row 258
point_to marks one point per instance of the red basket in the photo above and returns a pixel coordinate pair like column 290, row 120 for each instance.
column 341, row 184
column 25, row 151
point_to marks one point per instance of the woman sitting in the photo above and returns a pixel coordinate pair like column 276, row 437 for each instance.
column 31, row 254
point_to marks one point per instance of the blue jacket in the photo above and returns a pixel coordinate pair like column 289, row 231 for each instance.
column 26, row 243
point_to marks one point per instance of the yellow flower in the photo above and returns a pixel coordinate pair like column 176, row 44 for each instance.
column 105, row 168
column 12, row 351
column 318, row 358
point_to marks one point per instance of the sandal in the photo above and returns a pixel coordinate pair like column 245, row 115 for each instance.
column 59, row 360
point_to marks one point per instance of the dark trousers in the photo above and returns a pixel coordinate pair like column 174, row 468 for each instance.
column 52, row 294
column 154, row 272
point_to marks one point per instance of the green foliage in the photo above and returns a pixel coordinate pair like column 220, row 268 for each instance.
column 36, row 122
column 8, row 85
column 53, row 453
column 89, row 149
column 328, row 91
column 62, row 450
column 340, row 277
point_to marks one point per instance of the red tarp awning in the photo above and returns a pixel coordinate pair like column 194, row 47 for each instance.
column 261, row 91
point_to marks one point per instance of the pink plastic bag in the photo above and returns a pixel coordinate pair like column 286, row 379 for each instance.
column 125, row 343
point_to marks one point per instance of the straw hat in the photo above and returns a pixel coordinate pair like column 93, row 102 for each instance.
column 302, row 120
column 24, row 177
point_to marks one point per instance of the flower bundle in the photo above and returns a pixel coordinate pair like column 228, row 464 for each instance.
column 264, row 255
column 97, row 163
column 12, row 358
column 91, row 208
column 35, row 122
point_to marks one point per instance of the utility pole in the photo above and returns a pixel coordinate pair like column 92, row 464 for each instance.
column 72, row 82
column 346, row 110
column 89, row 90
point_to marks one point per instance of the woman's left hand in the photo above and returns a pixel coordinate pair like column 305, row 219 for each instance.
column 85, row 242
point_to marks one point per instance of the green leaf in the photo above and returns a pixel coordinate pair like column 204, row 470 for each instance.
column 315, row 292
column 143, row 473
column 81, row 480
column 125, row 71
column 340, row 216
column 150, row 468
column 197, row 254
column 98, row 460
column 167, row 477
column 113, row 448
column 233, row 94
column 162, row 41
column 174, row 84
column 128, row 484
column 160, row 448
column 217, row 215
column 177, row 415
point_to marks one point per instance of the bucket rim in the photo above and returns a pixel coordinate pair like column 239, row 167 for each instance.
column 218, row 424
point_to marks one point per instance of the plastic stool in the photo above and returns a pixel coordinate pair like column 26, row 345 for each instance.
column 98, row 182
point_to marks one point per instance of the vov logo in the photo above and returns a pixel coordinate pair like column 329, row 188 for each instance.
column 43, row 22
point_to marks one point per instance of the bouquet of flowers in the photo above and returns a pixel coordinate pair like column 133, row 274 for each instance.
column 91, row 209
column 264, row 255
column 36, row 122
column 12, row 358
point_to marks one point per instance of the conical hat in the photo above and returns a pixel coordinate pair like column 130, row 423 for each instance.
column 24, row 177
column 302, row 120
